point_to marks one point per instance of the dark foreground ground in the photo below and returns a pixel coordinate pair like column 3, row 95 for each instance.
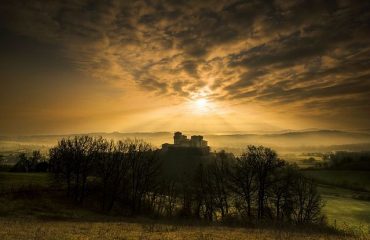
column 46, row 215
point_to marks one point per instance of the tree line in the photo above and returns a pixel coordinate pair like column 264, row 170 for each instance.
column 34, row 163
column 128, row 177
column 343, row 160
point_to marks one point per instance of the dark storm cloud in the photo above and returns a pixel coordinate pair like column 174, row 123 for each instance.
column 300, row 52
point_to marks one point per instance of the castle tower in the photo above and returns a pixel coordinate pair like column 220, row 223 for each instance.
column 177, row 138
column 196, row 141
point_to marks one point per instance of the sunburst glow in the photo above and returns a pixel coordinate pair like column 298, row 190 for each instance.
column 201, row 104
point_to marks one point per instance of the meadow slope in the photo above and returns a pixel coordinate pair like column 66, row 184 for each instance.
column 47, row 215
column 28, row 228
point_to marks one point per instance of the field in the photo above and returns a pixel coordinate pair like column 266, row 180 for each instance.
column 346, row 195
column 344, row 211
column 15, row 180
column 142, row 229
column 47, row 216
column 353, row 180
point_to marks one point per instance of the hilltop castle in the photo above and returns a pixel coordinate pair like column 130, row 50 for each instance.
column 180, row 140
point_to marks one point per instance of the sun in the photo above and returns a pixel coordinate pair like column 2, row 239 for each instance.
column 201, row 105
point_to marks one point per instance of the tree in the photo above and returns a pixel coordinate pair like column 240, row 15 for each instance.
column 72, row 161
column 144, row 167
column 124, row 172
column 266, row 162
column 282, row 191
column 126, row 175
column 61, row 159
column 243, row 178
column 219, row 174
column 35, row 163
column 35, row 159
column 307, row 203
column 23, row 164
column 112, row 169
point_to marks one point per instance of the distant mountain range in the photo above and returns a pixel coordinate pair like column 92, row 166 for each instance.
column 282, row 140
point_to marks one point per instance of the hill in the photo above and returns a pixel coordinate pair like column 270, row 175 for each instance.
column 285, row 141
column 46, row 215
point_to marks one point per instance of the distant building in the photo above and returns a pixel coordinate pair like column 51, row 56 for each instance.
column 180, row 140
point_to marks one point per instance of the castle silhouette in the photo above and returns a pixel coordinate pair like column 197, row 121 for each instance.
column 182, row 141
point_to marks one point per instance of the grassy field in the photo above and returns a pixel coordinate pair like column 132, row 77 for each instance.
column 16, row 180
column 142, row 229
column 346, row 195
column 357, row 180
column 345, row 212
column 43, row 215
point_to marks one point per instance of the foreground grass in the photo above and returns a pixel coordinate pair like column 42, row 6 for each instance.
column 47, row 217
column 141, row 229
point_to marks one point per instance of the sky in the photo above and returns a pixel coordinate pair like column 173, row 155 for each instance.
column 212, row 66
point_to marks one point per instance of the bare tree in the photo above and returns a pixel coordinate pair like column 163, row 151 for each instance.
column 266, row 162
column 127, row 174
column 243, row 179
column 144, row 167
column 282, row 191
column 307, row 203
column 219, row 177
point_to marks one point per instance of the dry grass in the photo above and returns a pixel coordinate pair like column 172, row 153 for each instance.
column 31, row 228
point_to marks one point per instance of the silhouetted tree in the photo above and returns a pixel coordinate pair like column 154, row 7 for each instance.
column 243, row 179
column 23, row 164
column 282, row 191
column 72, row 161
column 61, row 162
column 306, row 201
column 186, row 195
column 35, row 163
column 127, row 174
column 219, row 181
column 144, row 167
column 2, row 160
column 112, row 169
column 266, row 162
column 125, row 171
